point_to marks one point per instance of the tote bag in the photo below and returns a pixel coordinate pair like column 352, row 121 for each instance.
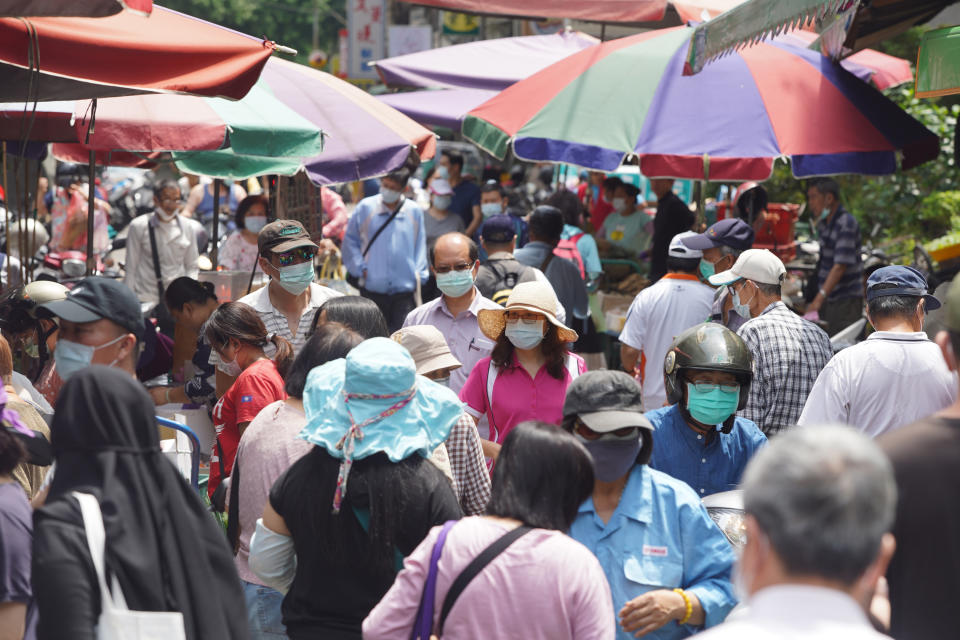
column 116, row 622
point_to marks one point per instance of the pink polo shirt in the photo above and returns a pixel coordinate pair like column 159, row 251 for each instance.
column 517, row 396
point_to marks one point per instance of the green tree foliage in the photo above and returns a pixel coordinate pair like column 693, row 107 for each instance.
column 286, row 22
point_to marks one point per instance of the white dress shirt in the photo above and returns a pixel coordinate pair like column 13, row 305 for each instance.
column 176, row 250
column 792, row 612
column 888, row 381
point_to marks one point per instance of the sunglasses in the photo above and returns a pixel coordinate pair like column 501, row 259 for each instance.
column 463, row 266
column 295, row 256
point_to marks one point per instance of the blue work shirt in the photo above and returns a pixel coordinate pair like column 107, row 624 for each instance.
column 587, row 246
column 398, row 256
column 710, row 467
column 660, row 537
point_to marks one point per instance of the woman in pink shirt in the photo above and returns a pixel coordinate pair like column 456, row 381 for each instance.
column 543, row 585
column 526, row 376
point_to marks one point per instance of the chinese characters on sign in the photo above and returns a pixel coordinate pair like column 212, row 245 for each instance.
column 366, row 37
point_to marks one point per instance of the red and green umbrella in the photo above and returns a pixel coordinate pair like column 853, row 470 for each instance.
column 629, row 97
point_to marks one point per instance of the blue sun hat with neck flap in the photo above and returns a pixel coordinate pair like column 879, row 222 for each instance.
column 372, row 402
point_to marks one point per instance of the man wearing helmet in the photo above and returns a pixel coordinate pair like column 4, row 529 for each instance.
column 708, row 371
column 32, row 333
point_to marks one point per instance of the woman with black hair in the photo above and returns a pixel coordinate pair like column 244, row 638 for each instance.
column 190, row 303
column 268, row 448
column 526, row 376
column 237, row 334
column 239, row 251
column 339, row 522
column 162, row 546
column 544, row 585
column 359, row 313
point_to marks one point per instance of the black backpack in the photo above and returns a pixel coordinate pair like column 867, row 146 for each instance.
column 506, row 274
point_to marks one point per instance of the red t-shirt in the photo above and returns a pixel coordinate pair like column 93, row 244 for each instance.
column 257, row 386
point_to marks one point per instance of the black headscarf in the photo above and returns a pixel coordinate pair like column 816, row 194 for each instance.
column 166, row 550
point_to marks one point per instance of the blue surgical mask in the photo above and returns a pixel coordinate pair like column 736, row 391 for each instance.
column 71, row 357
column 613, row 457
column 523, row 335
column 742, row 309
column 491, row 209
column 712, row 407
column 825, row 213
column 389, row 195
column 296, row 278
column 442, row 202
column 455, row 283
column 442, row 173
column 255, row 223
column 707, row 269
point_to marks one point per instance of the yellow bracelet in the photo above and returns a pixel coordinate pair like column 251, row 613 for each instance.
column 687, row 603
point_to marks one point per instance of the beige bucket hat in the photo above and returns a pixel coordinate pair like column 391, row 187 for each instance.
column 427, row 346
column 531, row 296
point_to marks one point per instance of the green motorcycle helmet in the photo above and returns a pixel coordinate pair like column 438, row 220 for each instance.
column 707, row 347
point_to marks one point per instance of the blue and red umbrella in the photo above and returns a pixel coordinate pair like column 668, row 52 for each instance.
column 629, row 97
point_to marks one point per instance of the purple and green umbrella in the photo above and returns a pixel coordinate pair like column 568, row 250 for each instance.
column 629, row 97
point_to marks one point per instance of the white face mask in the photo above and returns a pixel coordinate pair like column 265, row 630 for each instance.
column 619, row 205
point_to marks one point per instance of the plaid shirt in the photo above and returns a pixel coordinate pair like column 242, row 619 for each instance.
column 840, row 244
column 788, row 355
column 468, row 465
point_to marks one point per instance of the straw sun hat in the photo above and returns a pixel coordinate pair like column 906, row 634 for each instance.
column 529, row 296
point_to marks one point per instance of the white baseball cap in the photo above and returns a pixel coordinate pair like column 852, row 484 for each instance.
column 759, row 265
column 679, row 250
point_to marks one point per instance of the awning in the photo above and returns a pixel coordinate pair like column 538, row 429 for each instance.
column 938, row 63
column 71, row 8
column 594, row 10
column 846, row 25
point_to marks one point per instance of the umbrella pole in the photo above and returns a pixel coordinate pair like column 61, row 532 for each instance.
column 91, row 212
column 215, row 231
column 603, row 31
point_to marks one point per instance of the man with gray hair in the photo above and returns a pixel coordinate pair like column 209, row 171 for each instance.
column 819, row 506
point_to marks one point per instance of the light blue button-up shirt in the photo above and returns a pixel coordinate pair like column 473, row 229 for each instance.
column 708, row 468
column 398, row 256
column 660, row 537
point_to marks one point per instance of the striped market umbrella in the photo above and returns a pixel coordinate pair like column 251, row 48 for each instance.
column 629, row 97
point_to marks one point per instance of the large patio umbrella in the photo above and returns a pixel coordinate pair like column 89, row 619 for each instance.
column 628, row 97
column 492, row 64
column 363, row 137
column 125, row 54
column 73, row 8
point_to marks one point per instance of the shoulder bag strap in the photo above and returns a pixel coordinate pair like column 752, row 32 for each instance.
column 380, row 230
column 546, row 263
column 233, row 511
column 156, row 259
column 475, row 567
column 423, row 625
column 96, row 543
column 491, row 378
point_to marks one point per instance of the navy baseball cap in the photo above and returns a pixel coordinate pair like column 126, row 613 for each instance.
column 498, row 229
column 96, row 298
column 907, row 281
column 729, row 232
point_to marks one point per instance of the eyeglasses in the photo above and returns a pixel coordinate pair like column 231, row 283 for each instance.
column 463, row 266
column 527, row 317
column 173, row 200
column 707, row 387
column 295, row 256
